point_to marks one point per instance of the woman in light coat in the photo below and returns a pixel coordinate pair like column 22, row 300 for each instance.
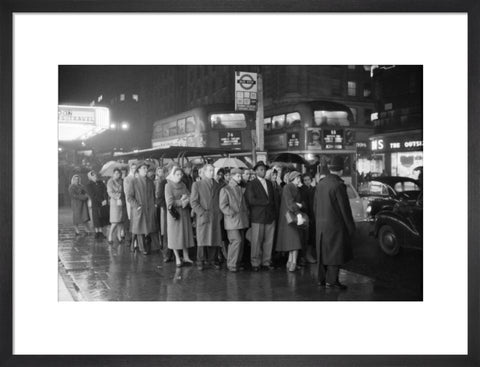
column 117, row 204
column 180, row 233
column 79, row 198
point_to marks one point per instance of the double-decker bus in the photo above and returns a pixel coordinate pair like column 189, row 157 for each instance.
column 213, row 126
column 316, row 130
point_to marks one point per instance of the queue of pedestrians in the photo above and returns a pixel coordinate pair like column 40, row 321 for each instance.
column 259, row 219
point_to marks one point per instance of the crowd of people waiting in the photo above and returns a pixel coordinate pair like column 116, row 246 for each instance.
column 245, row 218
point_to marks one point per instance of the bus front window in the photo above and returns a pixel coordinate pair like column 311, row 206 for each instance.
column 228, row 121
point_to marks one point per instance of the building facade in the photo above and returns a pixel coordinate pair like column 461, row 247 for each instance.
column 396, row 147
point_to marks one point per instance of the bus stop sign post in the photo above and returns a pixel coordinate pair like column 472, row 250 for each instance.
column 247, row 90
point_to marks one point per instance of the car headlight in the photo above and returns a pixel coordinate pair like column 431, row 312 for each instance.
column 369, row 209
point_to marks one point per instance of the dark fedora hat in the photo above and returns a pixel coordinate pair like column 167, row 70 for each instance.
column 259, row 164
column 336, row 164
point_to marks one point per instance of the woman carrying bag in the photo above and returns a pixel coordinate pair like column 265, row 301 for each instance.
column 179, row 225
column 290, row 219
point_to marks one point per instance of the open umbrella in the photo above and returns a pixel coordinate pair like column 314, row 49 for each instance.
column 290, row 158
column 230, row 163
column 107, row 169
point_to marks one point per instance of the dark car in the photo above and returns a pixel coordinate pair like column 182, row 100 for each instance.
column 402, row 226
column 382, row 193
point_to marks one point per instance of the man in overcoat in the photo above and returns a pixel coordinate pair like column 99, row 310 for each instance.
column 141, row 197
column 204, row 201
column 261, row 201
column 235, row 211
column 334, row 225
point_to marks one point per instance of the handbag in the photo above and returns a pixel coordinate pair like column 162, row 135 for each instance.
column 291, row 218
column 173, row 212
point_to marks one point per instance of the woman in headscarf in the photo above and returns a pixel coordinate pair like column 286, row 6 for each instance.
column 179, row 225
column 97, row 192
column 288, row 236
column 117, row 204
column 79, row 203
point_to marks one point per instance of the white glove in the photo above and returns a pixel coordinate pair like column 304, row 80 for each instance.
column 300, row 220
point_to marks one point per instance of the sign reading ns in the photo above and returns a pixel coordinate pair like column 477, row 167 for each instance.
column 245, row 91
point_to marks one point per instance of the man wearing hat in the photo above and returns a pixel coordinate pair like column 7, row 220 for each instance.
column 261, row 201
column 334, row 225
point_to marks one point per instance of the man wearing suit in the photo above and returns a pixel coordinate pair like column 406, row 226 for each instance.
column 261, row 201
column 205, row 203
column 334, row 225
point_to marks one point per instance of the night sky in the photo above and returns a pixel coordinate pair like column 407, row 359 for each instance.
column 82, row 84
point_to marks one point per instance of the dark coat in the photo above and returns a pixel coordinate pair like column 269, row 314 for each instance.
column 205, row 203
column 334, row 221
column 188, row 181
column 141, row 196
column 79, row 204
column 263, row 208
column 97, row 192
column 288, row 235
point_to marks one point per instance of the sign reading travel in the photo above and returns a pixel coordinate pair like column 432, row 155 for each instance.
column 230, row 138
column 293, row 140
column 245, row 91
column 333, row 139
column 76, row 115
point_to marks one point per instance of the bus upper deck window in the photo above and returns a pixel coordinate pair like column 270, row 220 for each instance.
column 293, row 118
column 338, row 118
column 228, row 121
column 181, row 126
column 267, row 123
column 190, row 125
column 278, row 121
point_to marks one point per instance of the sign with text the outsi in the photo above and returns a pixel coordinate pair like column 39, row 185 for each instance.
column 245, row 91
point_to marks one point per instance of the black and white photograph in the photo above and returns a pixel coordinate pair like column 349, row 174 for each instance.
column 240, row 182
column 182, row 181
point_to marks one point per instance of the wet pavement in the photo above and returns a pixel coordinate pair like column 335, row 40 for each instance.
column 93, row 270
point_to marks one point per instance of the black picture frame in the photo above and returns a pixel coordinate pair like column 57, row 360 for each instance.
column 7, row 8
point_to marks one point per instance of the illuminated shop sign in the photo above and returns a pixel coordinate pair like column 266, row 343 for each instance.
column 396, row 143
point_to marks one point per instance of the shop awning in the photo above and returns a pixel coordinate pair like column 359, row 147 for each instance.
column 176, row 152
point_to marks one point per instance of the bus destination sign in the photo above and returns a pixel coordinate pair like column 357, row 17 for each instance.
column 230, row 138
column 333, row 139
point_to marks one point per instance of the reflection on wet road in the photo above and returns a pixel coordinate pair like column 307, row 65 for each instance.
column 103, row 272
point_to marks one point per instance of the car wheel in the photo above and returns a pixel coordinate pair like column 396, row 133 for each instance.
column 388, row 240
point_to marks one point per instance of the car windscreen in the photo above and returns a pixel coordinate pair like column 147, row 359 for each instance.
column 373, row 188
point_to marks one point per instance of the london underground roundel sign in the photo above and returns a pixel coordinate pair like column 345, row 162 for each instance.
column 245, row 91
